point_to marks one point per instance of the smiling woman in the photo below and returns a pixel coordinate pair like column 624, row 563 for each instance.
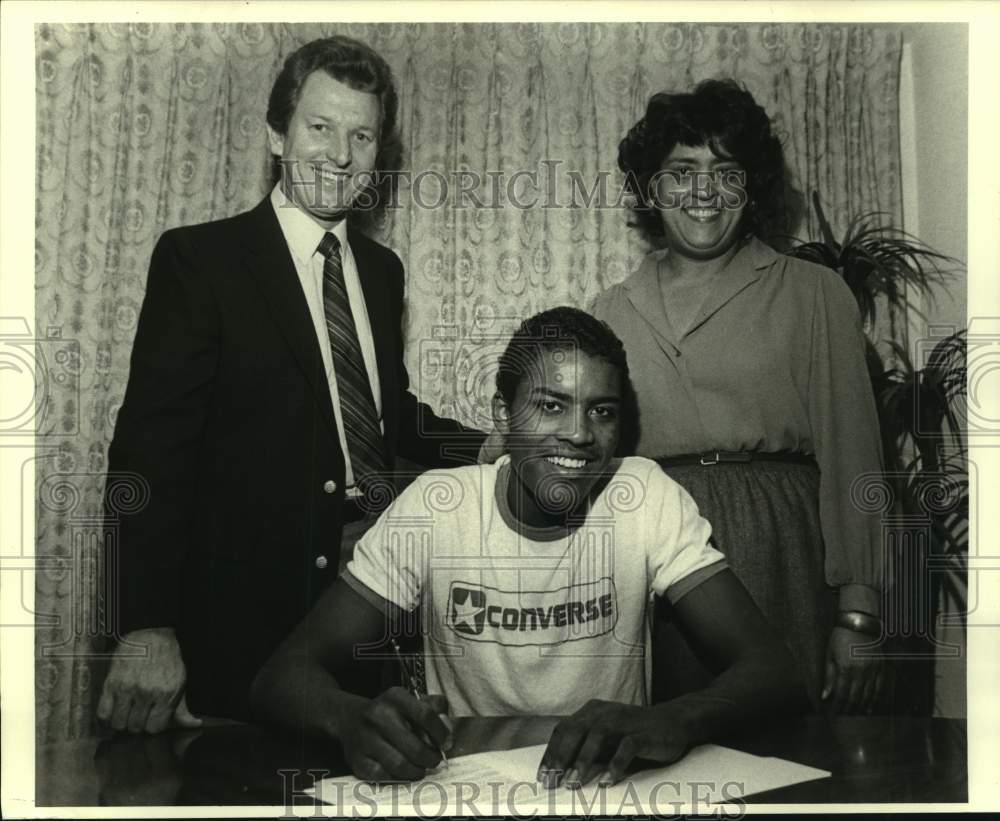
column 752, row 388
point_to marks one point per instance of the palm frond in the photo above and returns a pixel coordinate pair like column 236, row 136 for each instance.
column 878, row 261
column 824, row 224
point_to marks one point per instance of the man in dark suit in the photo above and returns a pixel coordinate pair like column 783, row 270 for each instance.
column 267, row 401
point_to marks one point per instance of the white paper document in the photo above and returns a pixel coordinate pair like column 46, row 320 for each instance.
column 503, row 783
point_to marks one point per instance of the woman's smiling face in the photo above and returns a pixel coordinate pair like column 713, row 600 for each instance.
column 701, row 197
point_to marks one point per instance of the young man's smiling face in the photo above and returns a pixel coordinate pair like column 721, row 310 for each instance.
column 562, row 430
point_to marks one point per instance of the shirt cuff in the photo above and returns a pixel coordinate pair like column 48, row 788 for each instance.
column 860, row 597
column 679, row 589
column 388, row 608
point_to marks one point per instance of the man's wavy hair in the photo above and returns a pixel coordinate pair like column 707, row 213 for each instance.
column 724, row 116
column 350, row 62
column 566, row 327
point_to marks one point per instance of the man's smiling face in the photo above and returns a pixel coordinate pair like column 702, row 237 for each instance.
column 562, row 431
column 330, row 149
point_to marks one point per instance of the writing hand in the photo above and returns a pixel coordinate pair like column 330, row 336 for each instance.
column 143, row 693
column 384, row 740
column 853, row 682
column 606, row 736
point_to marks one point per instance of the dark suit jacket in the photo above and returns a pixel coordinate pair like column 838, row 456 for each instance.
column 227, row 418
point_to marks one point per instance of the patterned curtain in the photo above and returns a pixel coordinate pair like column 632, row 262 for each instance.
column 145, row 127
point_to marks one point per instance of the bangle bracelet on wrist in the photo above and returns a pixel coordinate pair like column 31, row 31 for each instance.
column 859, row 622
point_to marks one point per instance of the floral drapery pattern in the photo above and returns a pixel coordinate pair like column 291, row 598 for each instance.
column 145, row 127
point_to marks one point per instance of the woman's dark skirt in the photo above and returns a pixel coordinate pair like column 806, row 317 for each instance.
column 765, row 519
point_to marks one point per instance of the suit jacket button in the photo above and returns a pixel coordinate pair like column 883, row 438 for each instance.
column 321, row 562
column 329, row 486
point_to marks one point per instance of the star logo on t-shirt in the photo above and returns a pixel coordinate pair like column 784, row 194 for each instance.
column 468, row 608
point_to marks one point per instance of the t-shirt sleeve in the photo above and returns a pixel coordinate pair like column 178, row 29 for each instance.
column 678, row 553
column 388, row 559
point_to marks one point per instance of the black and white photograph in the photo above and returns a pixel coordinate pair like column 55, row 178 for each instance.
column 489, row 409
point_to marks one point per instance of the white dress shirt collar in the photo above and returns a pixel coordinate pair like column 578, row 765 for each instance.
column 302, row 233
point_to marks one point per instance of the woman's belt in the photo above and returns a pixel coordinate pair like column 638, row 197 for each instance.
column 723, row 457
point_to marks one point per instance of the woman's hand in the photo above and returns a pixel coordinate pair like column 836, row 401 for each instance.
column 395, row 737
column 853, row 681
column 604, row 737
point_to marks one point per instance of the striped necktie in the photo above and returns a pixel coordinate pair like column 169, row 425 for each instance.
column 357, row 404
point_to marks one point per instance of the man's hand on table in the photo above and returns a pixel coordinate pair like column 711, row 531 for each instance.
column 853, row 682
column 603, row 737
column 143, row 693
column 395, row 736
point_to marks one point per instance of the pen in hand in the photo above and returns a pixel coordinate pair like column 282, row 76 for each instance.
column 411, row 685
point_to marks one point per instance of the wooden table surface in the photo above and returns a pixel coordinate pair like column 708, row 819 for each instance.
column 873, row 759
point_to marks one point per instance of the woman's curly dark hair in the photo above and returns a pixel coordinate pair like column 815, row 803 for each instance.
column 724, row 116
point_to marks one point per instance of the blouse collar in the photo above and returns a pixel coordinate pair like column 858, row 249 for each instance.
column 643, row 286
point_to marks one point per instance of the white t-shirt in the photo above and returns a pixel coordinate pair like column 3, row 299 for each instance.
column 520, row 620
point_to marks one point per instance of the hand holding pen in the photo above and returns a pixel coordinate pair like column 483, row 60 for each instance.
column 395, row 736
column 410, row 681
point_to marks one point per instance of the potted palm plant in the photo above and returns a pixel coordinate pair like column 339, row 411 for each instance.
column 922, row 432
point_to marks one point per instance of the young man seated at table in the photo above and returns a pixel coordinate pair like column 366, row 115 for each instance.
column 534, row 577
